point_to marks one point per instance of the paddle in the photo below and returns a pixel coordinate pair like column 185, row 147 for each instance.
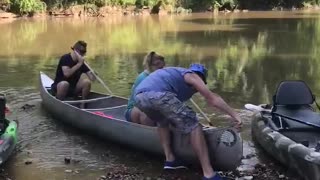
column 98, row 78
column 252, row 107
column 203, row 114
column 95, row 75
column 260, row 109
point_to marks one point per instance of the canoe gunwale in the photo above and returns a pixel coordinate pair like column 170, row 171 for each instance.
column 107, row 108
column 87, row 100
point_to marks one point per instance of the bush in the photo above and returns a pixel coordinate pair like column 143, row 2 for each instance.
column 27, row 6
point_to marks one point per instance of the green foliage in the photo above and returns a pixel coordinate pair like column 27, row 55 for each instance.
column 32, row 6
column 27, row 6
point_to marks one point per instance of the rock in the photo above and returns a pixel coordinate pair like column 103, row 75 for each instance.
column 281, row 176
column 248, row 177
column 260, row 166
column 249, row 156
column 27, row 107
column 103, row 177
column 68, row 171
column 67, row 160
column 28, row 162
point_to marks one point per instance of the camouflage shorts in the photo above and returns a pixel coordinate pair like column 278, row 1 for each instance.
column 166, row 109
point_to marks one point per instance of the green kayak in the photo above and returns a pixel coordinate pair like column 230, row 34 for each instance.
column 8, row 140
column 8, row 132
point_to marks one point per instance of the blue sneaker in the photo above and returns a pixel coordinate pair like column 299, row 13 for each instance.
column 215, row 177
column 174, row 165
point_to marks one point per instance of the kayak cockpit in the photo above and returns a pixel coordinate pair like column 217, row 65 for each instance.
column 292, row 114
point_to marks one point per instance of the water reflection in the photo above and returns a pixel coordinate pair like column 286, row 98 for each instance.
column 247, row 54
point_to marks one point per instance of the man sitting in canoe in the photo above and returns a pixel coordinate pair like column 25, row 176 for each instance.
column 161, row 97
column 68, row 81
column 152, row 62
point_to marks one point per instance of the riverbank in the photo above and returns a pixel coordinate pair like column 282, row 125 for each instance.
column 105, row 11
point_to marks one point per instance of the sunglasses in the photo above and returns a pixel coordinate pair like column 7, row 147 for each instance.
column 82, row 52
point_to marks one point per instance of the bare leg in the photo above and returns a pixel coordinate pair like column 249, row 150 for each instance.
column 83, row 86
column 145, row 120
column 140, row 117
column 164, row 134
column 135, row 115
column 62, row 90
column 200, row 147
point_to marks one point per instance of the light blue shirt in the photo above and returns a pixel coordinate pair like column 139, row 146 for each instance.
column 138, row 80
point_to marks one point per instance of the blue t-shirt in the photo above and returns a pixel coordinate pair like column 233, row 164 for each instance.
column 169, row 79
column 138, row 80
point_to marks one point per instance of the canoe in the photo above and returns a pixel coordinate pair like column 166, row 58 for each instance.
column 8, row 140
column 290, row 132
column 104, row 117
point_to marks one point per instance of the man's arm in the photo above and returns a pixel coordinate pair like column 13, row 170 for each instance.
column 91, row 76
column 67, row 71
column 212, row 99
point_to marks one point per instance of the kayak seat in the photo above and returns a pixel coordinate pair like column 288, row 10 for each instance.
column 294, row 99
column 293, row 93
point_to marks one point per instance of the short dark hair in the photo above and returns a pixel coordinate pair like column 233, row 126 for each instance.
column 79, row 44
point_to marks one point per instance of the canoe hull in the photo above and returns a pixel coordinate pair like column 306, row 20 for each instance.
column 297, row 157
column 224, row 155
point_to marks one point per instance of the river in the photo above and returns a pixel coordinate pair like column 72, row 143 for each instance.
column 247, row 55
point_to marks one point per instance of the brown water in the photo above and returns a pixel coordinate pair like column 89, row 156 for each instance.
column 247, row 54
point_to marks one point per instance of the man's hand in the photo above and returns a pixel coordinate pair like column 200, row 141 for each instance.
column 79, row 57
column 237, row 123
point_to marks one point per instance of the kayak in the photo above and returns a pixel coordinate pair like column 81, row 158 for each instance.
column 104, row 117
column 8, row 134
column 289, row 129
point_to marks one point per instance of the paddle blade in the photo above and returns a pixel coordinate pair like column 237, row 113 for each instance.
column 252, row 107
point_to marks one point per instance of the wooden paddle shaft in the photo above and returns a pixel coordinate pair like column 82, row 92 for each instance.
column 203, row 114
column 99, row 79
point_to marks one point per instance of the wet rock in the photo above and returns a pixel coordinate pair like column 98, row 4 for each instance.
column 68, row 171
column 281, row 176
column 105, row 155
column 77, row 172
column 260, row 166
column 27, row 107
column 103, row 177
column 249, row 156
column 29, row 152
column 248, row 177
column 67, row 160
column 28, row 162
